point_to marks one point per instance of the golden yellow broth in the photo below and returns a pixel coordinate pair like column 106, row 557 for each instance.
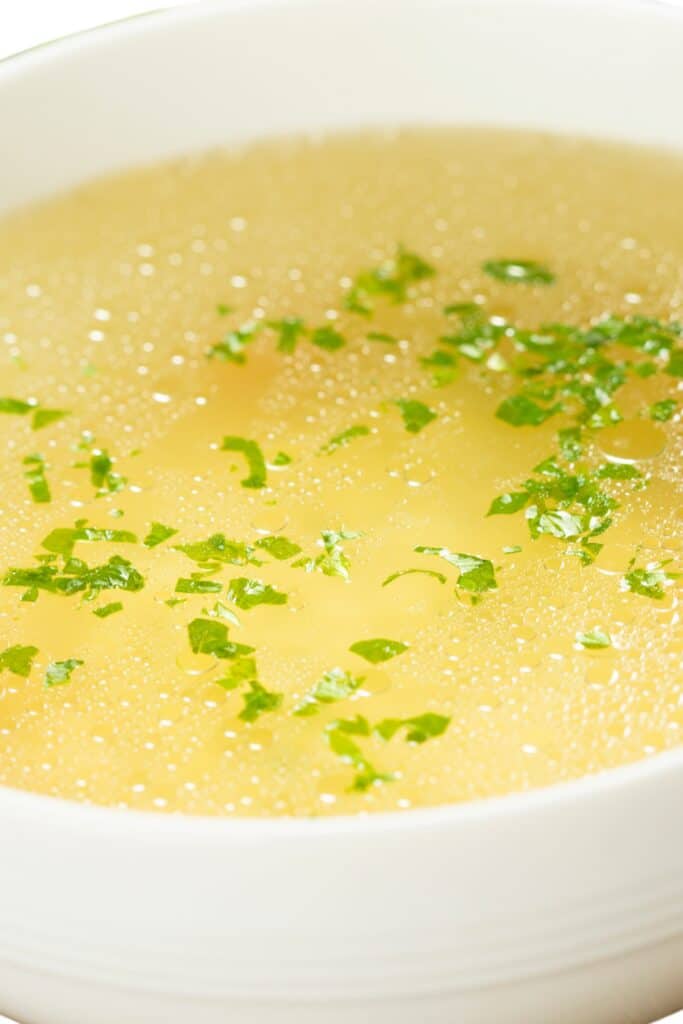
column 108, row 305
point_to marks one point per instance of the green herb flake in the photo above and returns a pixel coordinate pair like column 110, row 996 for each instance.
column 477, row 575
column 45, row 417
column 217, row 550
column 62, row 540
column 36, row 479
column 18, row 660
column 518, row 272
column 651, row 583
column 392, row 280
column 242, row 670
column 418, row 730
column 257, row 477
column 289, row 330
column 259, row 701
column 247, row 594
column 102, row 475
column 209, row 636
column 675, row 365
column 664, row 410
column 60, row 672
column 158, row 533
column 378, row 649
column 232, row 347
column 335, row 685
column 328, row 339
column 108, row 609
column 197, row 586
column 282, row 459
column 521, row 411
column 15, row 406
column 387, row 339
column 416, row 415
column 409, row 572
column 278, row 547
column 509, row 503
column 594, row 640
column 343, row 439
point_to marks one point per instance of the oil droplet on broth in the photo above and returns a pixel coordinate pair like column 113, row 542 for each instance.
column 146, row 723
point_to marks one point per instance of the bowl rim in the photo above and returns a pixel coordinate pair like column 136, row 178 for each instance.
column 71, row 813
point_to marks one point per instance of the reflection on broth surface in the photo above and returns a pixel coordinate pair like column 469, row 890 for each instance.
column 343, row 475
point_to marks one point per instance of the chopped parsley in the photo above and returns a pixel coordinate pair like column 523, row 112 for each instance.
column 247, row 594
column 392, row 280
column 259, row 701
column 257, row 464
column 15, row 406
column 409, row 572
column 333, row 560
column 36, row 479
column 46, row 417
column 76, row 578
column 282, row 459
column 477, row 575
column 209, row 636
column 344, row 438
column 240, row 671
column 18, row 660
column 416, row 415
column 279, row 547
column 340, row 737
column 60, row 672
column 62, row 540
column 102, row 475
column 649, row 582
column 595, row 639
column 108, row 609
column 217, row 550
column 232, row 347
column 518, row 272
column 289, row 330
column 521, row 411
column 158, row 533
column 664, row 410
column 418, row 729
column 378, row 649
column 335, row 685
column 197, row 585
column 327, row 338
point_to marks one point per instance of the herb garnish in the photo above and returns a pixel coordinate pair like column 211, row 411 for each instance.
column 59, row 672
column 333, row 561
column 339, row 737
column 158, row 533
column 197, row 585
column 108, row 609
column 595, row 639
column 36, row 479
column 259, row 701
column 62, row 540
column 218, row 550
column 518, row 271
column 391, row 280
column 18, row 660
column 378, row 649
column 279, row 547
column 409, row 572
column 344, row 438
column 663, row 410
column 418, row 729
column 76, row 578
column 416, row 415
column 255, row 460
column 335, row 685
column 209, row 636
column 247, row 594
column 477, row 575
column 651, row 581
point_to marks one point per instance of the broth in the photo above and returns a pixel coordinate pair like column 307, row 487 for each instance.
column 272, row 396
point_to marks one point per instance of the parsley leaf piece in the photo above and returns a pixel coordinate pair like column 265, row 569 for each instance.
column 197, row 586
column 343, row 439
column 663, row 411
column 327, row 338
column 282, row 459
column 15, row 406
column 59, row 672
column 509, row 503
column 108, row 609
column 279, row 547
column 335, row 685
column 232, row 347
column 443, row 367
column 391, row 280
column 76, row 578
column 217, row 549
column 36, row 479
column 618, row 471
column 247, row 594
column 570, row 443
column 18, row 660
column 289, row 329
column 339, row 737
column 222, row 309
column 259, row 701
column 45, row 417
column 257, row 464
column 518, row 272
column 241, row 670
column 102, row 475
column 675, row 365
column 594, row 640
column 416, row 415
column 62, row 540
column 477, row 575
column 419, row 729
column 559, row 523
column 378, row 649
column 388, row 339
column 209, row 636
column 521, row 411
column 650, row 583
column 409, row 572
column 158, row 533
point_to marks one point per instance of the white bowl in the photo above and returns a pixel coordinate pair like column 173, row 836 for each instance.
column 563, row 905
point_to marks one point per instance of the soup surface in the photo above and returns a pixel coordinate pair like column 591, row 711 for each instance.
column 342, row 476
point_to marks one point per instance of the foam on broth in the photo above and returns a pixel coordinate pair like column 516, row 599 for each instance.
column 108, row 305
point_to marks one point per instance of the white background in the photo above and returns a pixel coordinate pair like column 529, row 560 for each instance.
column 25, row 23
